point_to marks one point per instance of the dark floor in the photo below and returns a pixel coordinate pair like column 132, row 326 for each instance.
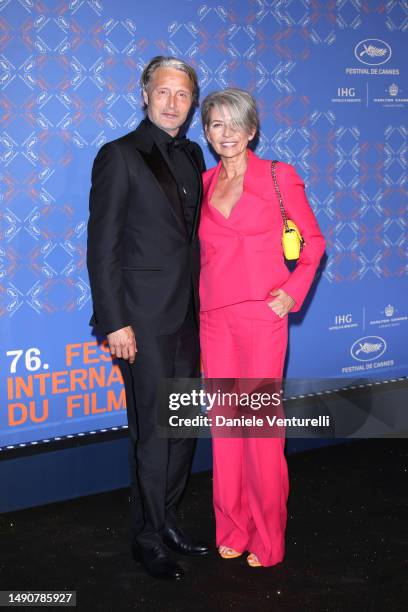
column 347, row 543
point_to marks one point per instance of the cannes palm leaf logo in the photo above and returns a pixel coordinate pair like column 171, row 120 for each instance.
column 368, row 348
column 372, row 51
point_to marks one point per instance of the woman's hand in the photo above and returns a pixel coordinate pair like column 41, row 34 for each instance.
column 282, row 303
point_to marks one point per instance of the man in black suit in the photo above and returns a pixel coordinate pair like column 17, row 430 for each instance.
column 143, row 262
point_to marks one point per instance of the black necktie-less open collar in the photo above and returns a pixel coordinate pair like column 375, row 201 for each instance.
column 144, row 139
column 177, row 144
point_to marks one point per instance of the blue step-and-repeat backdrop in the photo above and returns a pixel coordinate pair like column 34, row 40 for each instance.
column 331, row 82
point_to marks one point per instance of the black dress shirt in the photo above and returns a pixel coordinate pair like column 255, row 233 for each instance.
column 181, row 165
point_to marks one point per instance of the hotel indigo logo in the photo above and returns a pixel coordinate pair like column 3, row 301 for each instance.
column 368, row 348
column 373, row 52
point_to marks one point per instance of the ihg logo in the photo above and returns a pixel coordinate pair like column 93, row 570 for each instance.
column 346, row 92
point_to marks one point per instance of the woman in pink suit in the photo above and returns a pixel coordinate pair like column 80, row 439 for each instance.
column 246, row 293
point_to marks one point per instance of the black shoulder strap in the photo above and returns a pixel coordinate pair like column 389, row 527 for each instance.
column 278, row 194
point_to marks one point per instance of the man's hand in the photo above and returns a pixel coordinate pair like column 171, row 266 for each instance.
column 122, row 344
column 282, row 303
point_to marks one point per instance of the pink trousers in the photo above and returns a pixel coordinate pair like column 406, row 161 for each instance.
column 248, row 340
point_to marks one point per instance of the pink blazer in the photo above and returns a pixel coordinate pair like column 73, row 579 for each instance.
column 242, row 257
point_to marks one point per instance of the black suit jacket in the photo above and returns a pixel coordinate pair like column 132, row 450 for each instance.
column 142, row 262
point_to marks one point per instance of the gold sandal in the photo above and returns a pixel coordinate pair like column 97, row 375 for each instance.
column 253, row 560
column 228, row 553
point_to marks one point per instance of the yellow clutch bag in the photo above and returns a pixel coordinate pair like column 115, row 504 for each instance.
column 292, row 240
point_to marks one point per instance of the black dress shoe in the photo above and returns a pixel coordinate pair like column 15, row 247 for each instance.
column 176, row 540
column 156, row 562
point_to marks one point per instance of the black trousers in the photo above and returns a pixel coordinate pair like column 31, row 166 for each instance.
column 159, row 467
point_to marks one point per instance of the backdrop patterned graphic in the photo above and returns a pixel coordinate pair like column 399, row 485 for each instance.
column 332, row 91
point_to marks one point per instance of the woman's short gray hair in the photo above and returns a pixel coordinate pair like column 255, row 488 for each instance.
column 161, row 61
column 240, row 104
